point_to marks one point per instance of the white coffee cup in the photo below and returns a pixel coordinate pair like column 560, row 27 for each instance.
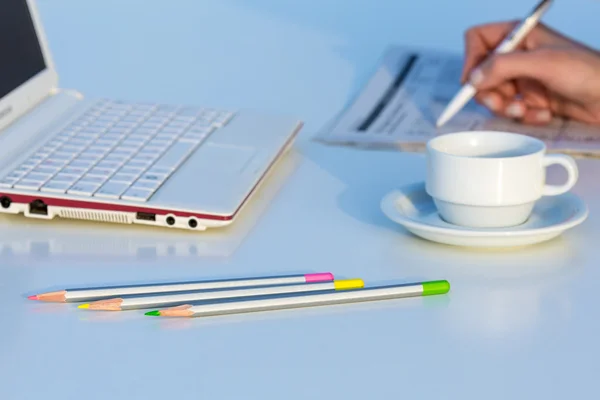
column 488, row 179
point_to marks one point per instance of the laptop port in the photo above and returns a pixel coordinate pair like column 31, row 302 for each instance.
column 38, row 207
column 170, row 220
column 5, row 202
column 145, row 216
column 192, row 223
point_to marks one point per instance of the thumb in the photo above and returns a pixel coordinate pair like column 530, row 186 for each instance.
column 499, row 68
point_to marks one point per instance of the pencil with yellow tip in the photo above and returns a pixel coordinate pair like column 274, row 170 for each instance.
column 309, row 300
column 91, row 294
column 122, row 304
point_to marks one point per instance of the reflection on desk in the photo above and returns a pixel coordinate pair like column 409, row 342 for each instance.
column 506, row 296
column 30, row 238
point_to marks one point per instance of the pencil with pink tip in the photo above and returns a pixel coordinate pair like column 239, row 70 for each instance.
column 91, row 294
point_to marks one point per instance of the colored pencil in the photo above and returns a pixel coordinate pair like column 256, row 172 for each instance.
column 90, row 294
column 133, row 303
column 310, row 300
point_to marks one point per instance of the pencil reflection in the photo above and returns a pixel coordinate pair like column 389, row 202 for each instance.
column 49, row 308
column 341, row 312
column 500, row 293
column 107, row 316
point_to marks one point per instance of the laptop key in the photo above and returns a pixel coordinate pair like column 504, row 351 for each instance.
column 101, row 172
column 223, row 119
column 153, row 177
column 175, row 155
column 84, row 164
column 82, row 189
column 28, row 185
column 138, row 164
column 65, row 178
column 124, row 178
column 159, row 171
column 92, row 180
column 18, row 174
column 131, row 170
column 56, row 187
column 112, row 190
column 8, row 182
column 51, row 163
column 146, row 185
column 29, row 164
column 137, row 194
column 74, row 171
column 32, row 176
column 45, row 170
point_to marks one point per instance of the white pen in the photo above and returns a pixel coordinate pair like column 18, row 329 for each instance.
column 467, row 92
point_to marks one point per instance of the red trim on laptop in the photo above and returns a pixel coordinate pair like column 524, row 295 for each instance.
column 89, row 205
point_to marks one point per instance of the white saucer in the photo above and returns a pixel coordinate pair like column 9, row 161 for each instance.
column 413, row 208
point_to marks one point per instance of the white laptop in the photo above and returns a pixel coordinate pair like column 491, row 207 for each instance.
column 157, row 164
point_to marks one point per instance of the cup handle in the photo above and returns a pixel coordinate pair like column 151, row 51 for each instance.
column 569, row 164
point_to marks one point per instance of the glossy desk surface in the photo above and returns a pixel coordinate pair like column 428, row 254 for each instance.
column 518, row 324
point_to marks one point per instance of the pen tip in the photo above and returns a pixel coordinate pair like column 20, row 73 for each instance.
column 84, row 306
column 153, row 313
column 34, row 297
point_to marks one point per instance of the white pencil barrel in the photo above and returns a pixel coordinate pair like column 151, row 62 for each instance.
column 83, row 295
column 312, row 300
column 169, row 300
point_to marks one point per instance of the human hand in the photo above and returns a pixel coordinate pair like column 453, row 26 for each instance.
column 547, row 75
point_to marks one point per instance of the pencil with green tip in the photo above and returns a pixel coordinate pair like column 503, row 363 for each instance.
column 309, row 300
column 122, row 304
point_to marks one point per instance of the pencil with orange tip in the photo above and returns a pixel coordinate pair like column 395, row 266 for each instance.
column 90, row 294
column 309, row 300
column 119, row 304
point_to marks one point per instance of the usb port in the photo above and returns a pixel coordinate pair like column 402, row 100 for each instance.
column 145, row 216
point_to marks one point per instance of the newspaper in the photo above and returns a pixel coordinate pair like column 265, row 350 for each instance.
column 399, row 105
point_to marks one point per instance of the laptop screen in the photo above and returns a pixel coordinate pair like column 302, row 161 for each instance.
column 21, row 56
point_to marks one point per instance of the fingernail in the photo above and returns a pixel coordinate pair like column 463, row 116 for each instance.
column 514, row 110
column 490, row 103
column 476, row 77
column 543, row 116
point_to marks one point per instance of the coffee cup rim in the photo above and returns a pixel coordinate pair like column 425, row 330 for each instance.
column 430, row 145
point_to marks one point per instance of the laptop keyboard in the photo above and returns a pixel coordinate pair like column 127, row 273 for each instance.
column 117, row 150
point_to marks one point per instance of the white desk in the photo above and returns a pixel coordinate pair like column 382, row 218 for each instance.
column 518, row 324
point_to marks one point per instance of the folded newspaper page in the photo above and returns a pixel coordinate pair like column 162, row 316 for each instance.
column 401, row 102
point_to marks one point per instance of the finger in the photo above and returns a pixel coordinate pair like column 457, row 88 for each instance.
column 520, row 111
column 497, row 99
column 515, row 109
column 493, row 100
column 537, row 116
column 480, row 40
column 508, row 89
column 533, row 93
column 501, row 68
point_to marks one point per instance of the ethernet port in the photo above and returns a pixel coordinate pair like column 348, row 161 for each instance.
column 38, row 207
